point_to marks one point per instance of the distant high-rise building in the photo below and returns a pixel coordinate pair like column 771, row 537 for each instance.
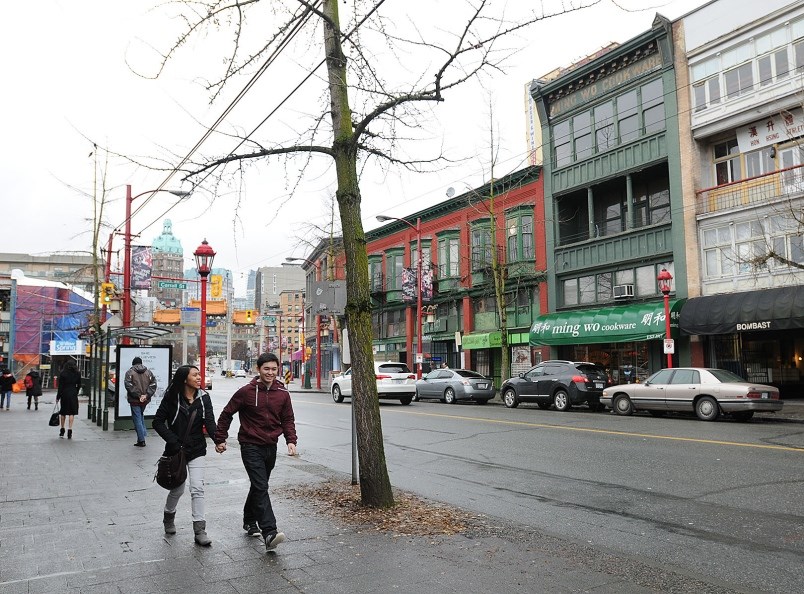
column 168, row 258
column 271, row 281
column 251, row 285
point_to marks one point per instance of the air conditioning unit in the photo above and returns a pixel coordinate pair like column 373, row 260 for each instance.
column 623, row 291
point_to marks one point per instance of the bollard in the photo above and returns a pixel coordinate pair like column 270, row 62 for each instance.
column 106, row 419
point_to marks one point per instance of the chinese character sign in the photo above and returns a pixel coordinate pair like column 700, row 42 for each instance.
column 141, row 264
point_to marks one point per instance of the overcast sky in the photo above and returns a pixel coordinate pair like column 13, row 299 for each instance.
column 76, row 74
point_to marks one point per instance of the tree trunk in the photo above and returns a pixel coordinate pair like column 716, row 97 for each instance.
column 375, row 485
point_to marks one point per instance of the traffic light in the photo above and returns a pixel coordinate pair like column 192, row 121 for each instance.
column 248, row 316
column 106, row 293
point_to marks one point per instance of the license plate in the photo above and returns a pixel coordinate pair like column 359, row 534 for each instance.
column 599, row 385
column 482, row 386
column 399, row 381
column 765, row 395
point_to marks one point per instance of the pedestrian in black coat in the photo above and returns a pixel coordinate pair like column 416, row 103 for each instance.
column 67, row 396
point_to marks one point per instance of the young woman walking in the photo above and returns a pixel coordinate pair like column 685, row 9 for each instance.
column 185, row 400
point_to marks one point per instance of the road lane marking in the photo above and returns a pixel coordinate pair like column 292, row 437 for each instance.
column 799, row 450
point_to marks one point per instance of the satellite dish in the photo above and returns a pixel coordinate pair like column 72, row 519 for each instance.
column 450, row 192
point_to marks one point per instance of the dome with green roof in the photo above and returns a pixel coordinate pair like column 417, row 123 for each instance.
column 167, row 243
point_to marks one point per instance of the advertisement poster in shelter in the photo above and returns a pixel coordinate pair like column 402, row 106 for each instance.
column 157, row 360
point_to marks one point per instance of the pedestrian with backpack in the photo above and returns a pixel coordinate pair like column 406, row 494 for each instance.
column 33, row 388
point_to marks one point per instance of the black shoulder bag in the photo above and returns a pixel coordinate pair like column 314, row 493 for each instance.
column 171, row 471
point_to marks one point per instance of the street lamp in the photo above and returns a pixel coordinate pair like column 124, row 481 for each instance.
column 204, row 255
column 418, row 230
column 664, row 279
column 317, row 323
column 127, row 250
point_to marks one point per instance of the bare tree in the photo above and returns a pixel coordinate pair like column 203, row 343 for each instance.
column 370, row 118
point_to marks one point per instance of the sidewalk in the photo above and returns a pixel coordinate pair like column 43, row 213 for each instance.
column 83, row 515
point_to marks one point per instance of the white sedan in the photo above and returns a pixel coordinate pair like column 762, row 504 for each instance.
column 394, row 380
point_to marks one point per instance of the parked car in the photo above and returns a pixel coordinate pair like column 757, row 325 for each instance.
column 562, row 384
column 707, row 392
column 208, row 381
column 394, row 381
column 240, row 373
column 452, row 385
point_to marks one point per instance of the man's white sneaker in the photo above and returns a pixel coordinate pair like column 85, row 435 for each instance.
column 273, row 539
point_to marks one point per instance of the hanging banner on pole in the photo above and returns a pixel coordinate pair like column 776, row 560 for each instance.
column 409, row 285
column 141, row 265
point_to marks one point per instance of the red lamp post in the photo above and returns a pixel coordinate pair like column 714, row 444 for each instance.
column 317, row 266
column 204, row 255
column 664, row 280
column 418, row 229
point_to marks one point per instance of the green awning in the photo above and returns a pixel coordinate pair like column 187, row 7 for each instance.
column 636, row 322
column 482, row 340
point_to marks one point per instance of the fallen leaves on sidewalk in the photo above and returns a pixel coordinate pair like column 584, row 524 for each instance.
column 411, row 516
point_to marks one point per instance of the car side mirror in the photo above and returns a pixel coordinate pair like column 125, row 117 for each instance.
column 521, row 375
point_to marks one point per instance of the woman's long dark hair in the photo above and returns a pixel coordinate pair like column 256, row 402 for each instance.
column 176, row 386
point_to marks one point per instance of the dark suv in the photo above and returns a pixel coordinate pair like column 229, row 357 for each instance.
column 558, row 383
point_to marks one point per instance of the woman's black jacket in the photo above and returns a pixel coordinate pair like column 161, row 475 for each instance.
column 170, row 422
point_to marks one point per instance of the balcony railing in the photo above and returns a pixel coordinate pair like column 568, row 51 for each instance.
column 752, row 191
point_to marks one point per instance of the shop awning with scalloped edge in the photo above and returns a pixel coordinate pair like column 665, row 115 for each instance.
column 625, row 323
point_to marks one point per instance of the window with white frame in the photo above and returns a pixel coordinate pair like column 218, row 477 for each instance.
column 480, row 237
column 448, row 257
column 426, row 255
column 599, row 288
column 727, row 162
column 519, row 231
column 393, row 270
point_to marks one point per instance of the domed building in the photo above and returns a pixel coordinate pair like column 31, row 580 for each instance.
column 168, row 259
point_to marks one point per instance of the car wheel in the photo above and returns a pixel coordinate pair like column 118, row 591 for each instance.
column 449, row 396
column 707, row 409
column 743, row 416
column 406, row 400
column 337, row 396
column 509, row 398
column 561, row 401
column 543, row 405
column 623, row 405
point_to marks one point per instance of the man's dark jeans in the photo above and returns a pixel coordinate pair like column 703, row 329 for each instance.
column 259, row 462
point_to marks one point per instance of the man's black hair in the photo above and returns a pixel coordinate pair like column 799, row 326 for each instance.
column 136, row 361
column 267, row 358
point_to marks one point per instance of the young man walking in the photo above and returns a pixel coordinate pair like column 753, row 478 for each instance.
column 265, row 413
column 140, row 385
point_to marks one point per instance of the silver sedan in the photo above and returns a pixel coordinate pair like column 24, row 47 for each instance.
column 707, row 392
column 452, row 385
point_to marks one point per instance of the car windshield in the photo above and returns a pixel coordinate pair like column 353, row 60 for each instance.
column 394, row 368
column 467, row 373
column 726, row 377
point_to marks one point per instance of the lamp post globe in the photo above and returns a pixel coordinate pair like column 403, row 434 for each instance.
column 664, row 280
column 204, row 255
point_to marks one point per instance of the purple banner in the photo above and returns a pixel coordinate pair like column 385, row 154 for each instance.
column 409, row 285
column 427, row 284
column 141, row 264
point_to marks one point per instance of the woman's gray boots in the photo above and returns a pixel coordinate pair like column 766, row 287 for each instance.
column 200, row 529
column 170, row 527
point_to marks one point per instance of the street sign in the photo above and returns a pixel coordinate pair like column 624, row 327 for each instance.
column 190, row 316
column 669, row 346
column 171, row 285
